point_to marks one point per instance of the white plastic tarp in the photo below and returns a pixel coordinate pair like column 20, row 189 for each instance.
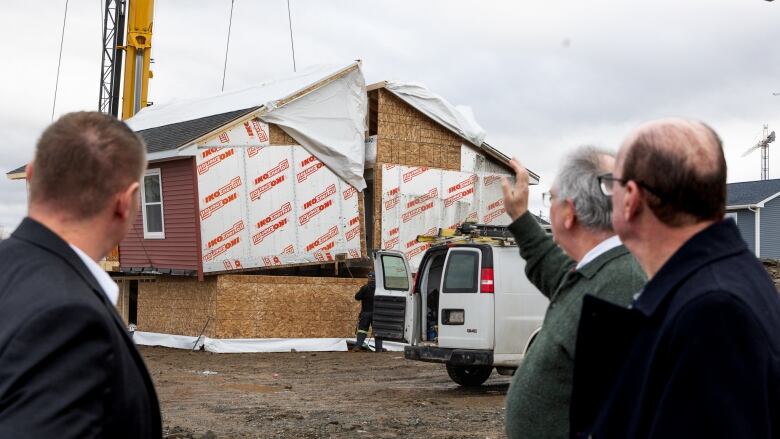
column 245, row 345
column 459, row 119
column 167, row 340
column 329, row 121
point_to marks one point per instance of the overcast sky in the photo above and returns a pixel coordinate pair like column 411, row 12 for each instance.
column 541, row 77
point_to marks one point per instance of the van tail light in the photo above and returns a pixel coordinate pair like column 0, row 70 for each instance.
column 414, row 283
column 486, row 282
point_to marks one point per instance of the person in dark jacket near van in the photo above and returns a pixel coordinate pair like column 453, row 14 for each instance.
column 698, row 353
column 366, row 297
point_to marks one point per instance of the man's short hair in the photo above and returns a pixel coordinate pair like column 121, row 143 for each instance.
column 577, row 180
column 681, row 165
column 82, row 160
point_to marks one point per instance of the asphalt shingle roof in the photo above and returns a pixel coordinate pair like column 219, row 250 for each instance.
column 751, row 192
column 168, row 137
column 17, row 170
column 175, row 135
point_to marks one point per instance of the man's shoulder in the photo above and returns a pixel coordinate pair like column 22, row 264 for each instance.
column 619, row 265
column 33, row 278
column 618, row 278
column 739, row 278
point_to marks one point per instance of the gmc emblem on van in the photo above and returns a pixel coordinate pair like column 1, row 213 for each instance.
column 471, row 331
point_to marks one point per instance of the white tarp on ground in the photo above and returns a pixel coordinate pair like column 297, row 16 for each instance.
column 329, row 122
column 166, row 340
column 263, row 205
column 458, row 119
column 248, row 345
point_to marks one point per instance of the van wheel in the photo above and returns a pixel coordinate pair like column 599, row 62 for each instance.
column 469, row 376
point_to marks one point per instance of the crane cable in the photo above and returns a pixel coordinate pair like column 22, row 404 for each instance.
column 227, row 46
column 292, row 45
column 59, row 62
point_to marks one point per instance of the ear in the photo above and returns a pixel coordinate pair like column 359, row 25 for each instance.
column 28, row 171
column 125, row 201
column 632, row 201
column 569, row 214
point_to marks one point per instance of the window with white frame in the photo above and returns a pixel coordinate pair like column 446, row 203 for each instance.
column 152, row 205
column 732, row 215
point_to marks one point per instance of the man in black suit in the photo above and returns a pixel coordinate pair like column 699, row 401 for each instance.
column 68, row 368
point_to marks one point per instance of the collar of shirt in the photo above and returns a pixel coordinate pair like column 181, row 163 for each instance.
column 602, row 247
column 110, row 288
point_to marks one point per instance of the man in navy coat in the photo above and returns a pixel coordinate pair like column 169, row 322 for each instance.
column 68, row 368
column 697, row 355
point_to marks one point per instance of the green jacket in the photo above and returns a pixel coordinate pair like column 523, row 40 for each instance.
column 537, row 403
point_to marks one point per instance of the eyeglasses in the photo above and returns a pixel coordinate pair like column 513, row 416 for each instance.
column 547, row 199
column 607, row 184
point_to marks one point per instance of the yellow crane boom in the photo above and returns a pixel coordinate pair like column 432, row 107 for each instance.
column 138, row 50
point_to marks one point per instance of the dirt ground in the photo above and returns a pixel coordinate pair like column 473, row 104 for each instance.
column 319, row 395
column 322, row 395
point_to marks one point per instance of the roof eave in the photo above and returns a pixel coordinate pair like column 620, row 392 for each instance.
column 16, row 176
column 768, row 199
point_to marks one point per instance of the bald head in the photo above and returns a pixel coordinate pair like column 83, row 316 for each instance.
column 680, row 165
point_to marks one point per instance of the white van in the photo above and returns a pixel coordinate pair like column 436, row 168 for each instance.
column 469, row 306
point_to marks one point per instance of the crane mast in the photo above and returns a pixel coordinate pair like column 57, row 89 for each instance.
column 138, row 49
column 139, row 15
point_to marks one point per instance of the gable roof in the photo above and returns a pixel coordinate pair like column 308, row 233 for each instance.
column 451, row 118
column 171, row 137
column 751, row 192
column 176, row 135
column 17, row 174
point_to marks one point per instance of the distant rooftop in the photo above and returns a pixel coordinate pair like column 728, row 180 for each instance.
column 751, row 192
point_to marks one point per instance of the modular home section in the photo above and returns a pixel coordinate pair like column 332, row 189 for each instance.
column 265, row 205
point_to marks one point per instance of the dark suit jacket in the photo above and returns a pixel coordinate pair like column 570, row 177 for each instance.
column 68, row 368
column 698, row 355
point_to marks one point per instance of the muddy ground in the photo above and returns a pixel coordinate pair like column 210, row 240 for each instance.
column 319, row 395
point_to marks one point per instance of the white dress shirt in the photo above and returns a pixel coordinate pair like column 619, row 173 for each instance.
column 109, row 287
column 601, row 248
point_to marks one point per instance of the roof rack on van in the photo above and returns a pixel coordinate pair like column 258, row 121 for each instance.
column 471, row 232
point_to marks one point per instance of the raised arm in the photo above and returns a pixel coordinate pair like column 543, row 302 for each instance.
column 546, row 263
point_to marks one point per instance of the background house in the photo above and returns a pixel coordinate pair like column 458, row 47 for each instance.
column 755, row 206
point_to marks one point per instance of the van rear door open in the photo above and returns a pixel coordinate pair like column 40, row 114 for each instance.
column 466, row 301
column 394, row 305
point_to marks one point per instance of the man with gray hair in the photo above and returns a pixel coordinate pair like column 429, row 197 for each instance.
column 588, row 259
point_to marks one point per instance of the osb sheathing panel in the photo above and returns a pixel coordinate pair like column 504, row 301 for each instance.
column 362, row 219
column 177, row 306
column 286, row 307
column 123, row 300
column 279, row 137
column 378, row 195
column 406, row 136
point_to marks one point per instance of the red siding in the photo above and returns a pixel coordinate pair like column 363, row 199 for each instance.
column 179, row 249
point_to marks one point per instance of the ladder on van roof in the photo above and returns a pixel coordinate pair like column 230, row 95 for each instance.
column 471, row 233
